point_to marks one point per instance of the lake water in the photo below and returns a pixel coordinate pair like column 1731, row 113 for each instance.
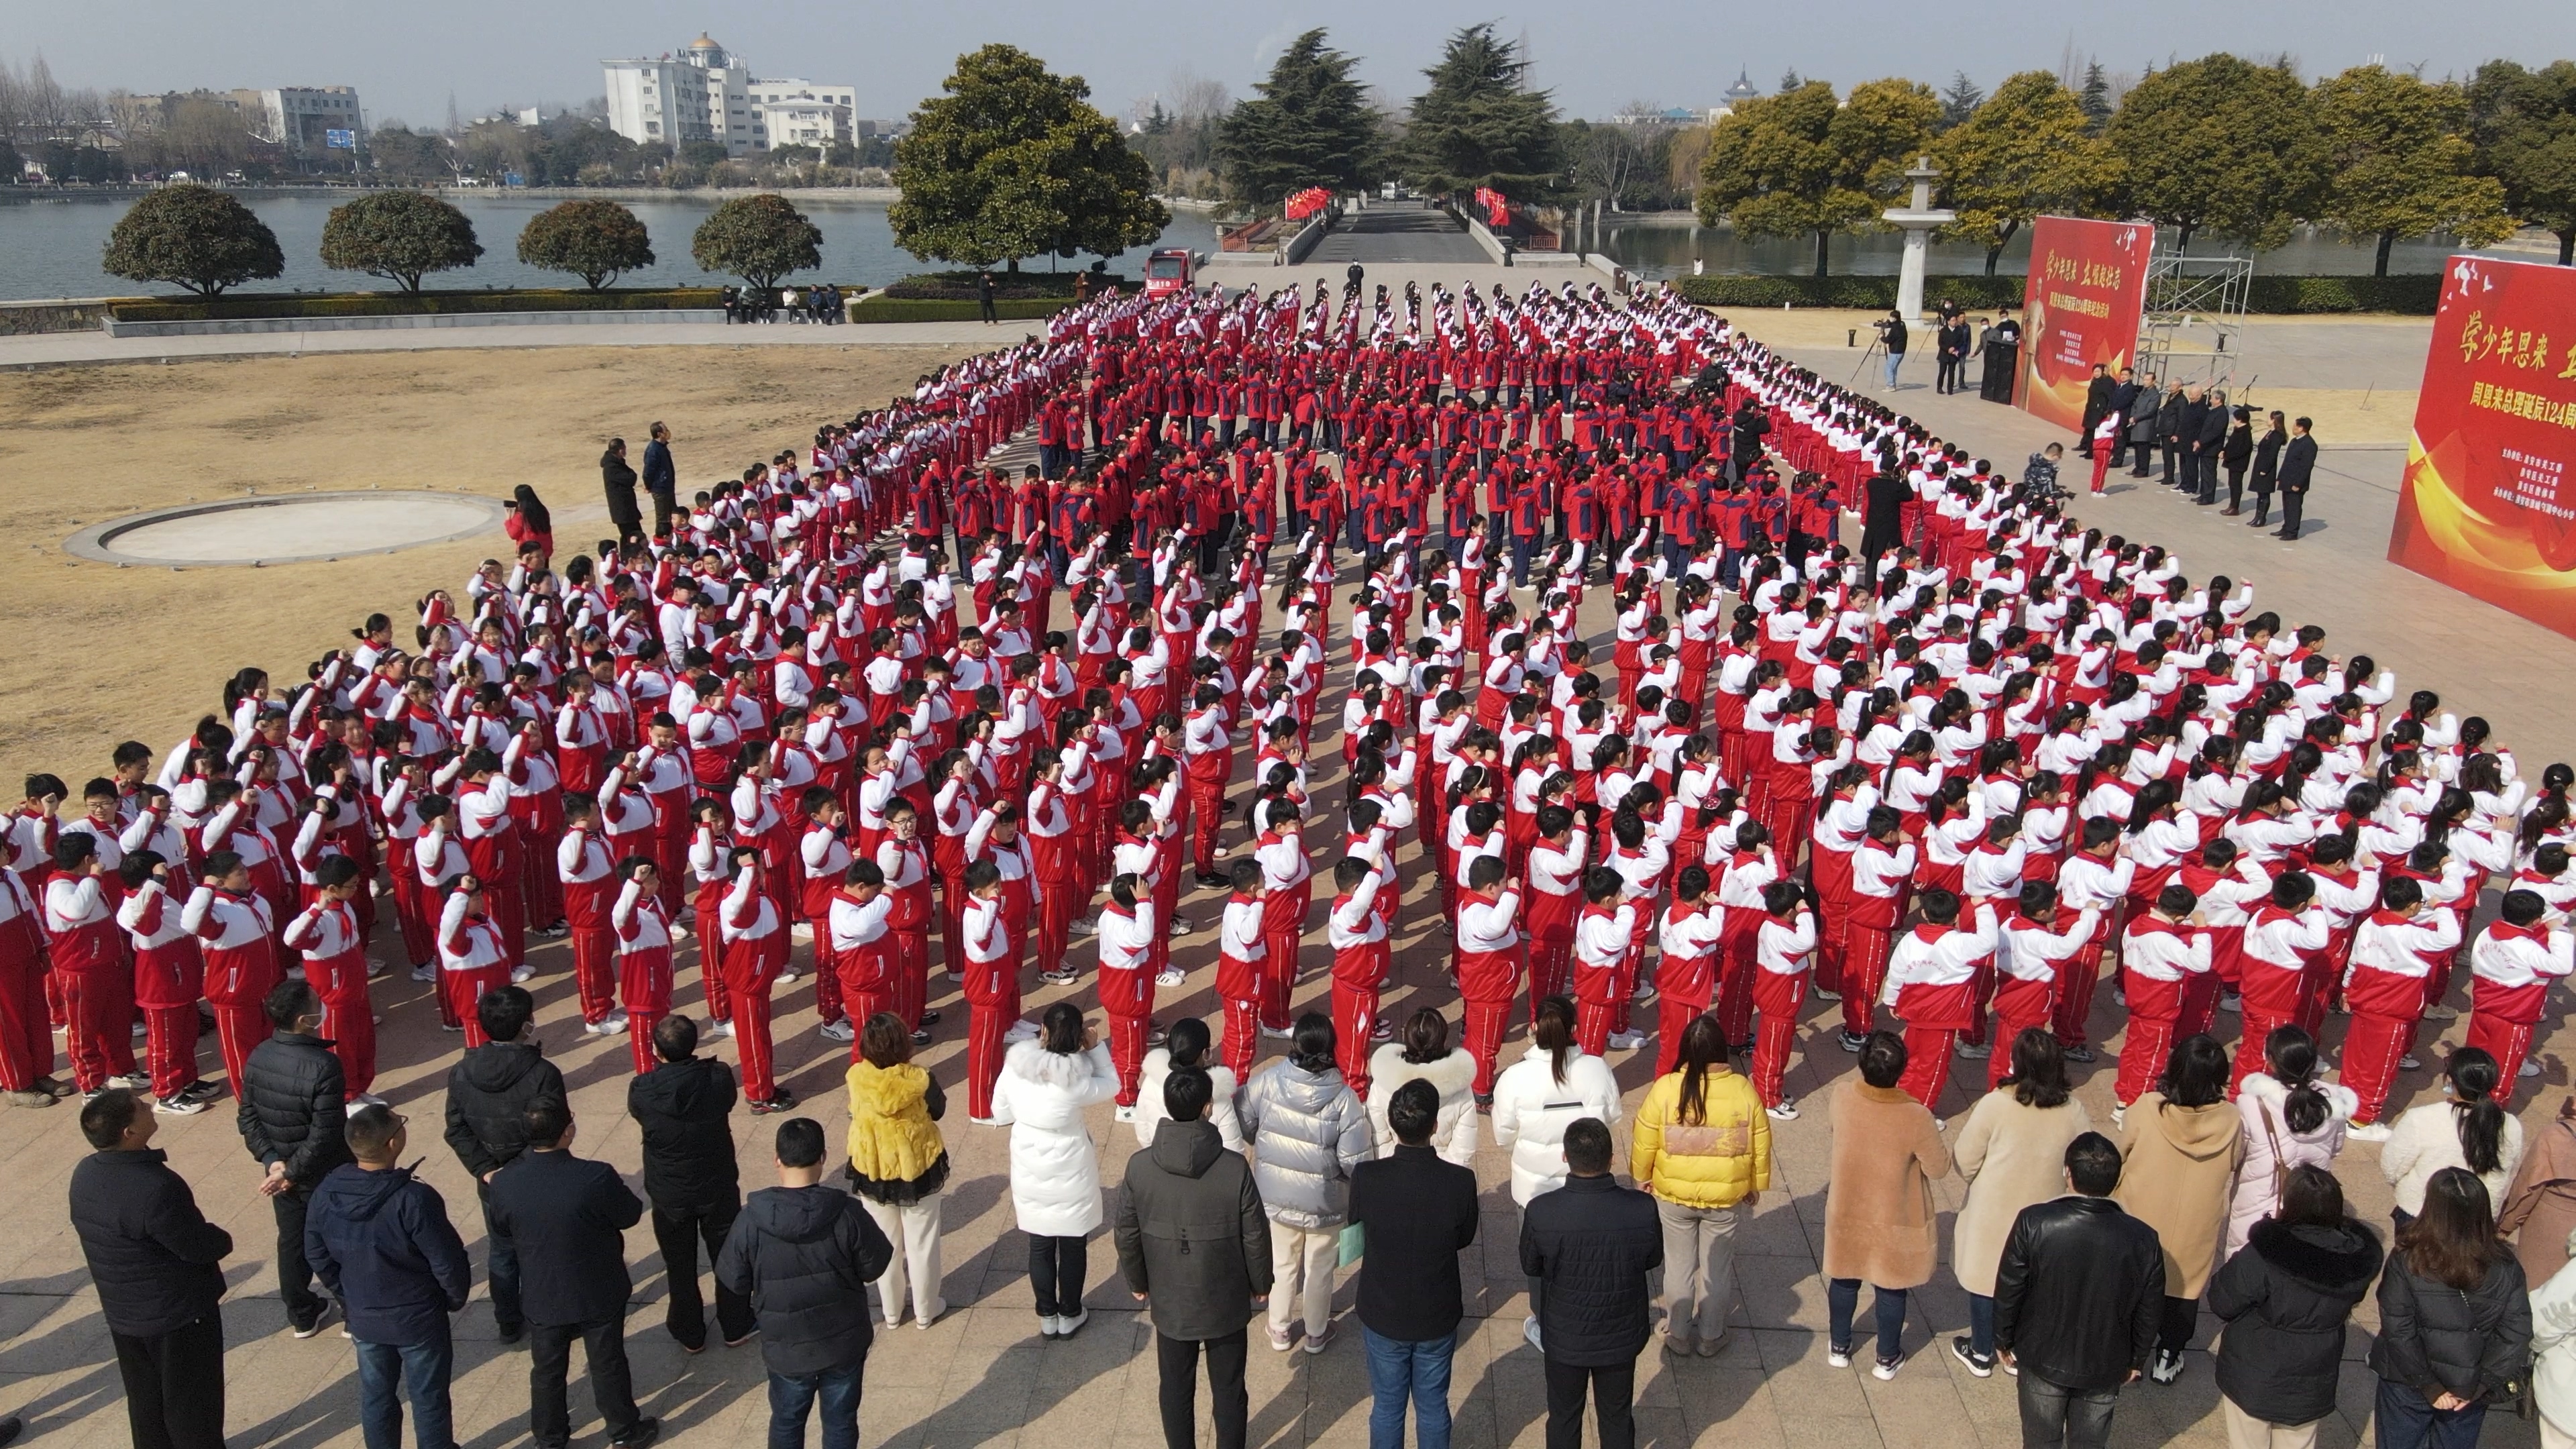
column 1665, row 247
column 51, row 248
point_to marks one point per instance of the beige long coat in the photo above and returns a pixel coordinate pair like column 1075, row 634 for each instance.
column 2179, row 1165
column 1879, row 1222
column 2012, row 1156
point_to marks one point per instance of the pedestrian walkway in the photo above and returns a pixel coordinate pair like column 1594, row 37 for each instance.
column 61, row 348
column 1396, row 232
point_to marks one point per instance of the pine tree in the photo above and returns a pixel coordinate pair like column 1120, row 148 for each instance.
column 1959, row 102
column 1790, row 80
column 1480, row 125
column 1310, row 125
column 2095, row 98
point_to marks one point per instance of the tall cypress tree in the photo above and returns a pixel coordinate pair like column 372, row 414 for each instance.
column 1480, row 125
column 1310, row 125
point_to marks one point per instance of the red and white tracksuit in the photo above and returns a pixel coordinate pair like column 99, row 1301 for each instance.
column 2163, row 964
column 2028, row 965
column 1360, row 956
column 825, row 860
column 239, row 945
column 1686, row 969
column 1602, row 935
column 26, row 1034
column 2277, row 945
column 992, row 997
column 1932, row 983
column 1783, row 954
column 2386, row 985
column 642, row 927
column 590, row 887
column 1127, row 987
column 1491, row 962
column 2511, row 969
column 335, row 965
column 1878, row 882
column 2087, row 883
column 1555, row 901
column 90, row 977
column 905, row 863
column 473, row 958
column 755, row 952
column 1242, row 958
column 1288, row 893
column 169, row 977
column 856, row 934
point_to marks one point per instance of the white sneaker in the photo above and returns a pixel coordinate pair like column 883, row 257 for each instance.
column 1021, row 1030
column 424, row 972
column 179, row 1106
column 520, row 975
column 837, row 1031
column 376, row 969
column 1049, row 1326
column 1276, row 1033
column 1175, row 976
column 1529, row 1330
column 720, row 1031
column 1180, row 925
column 1837, row 1357
column 615, row 1024
column 787, row 975
column 139, row 1030
column 1086, row 926
column 1786, row 1110
column 1627, row 1040
column 1125, row 1114
column 2119, row 1116
column 1069, row 1324
column 2366, row 1132
column 2530, row 1068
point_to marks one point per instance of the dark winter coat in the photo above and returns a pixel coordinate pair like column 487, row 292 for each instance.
column 1191, row 1234
column 291, row 1106
column 804, row 1256
column 489, row 1091
column 2287, row 1296
column 1592, row 1242
column 2434, row 1337
column 2079, row 1292
column 686, row 1111
column 383, row 1245
column 155, row 1258
column 1418, row 1213
column 569, row 1216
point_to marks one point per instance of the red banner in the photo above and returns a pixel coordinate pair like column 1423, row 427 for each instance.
column 1498, row 211
column 2086, row 295
column 2486, row 505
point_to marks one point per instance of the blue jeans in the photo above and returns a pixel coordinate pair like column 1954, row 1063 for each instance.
column 424, row 1370
column 1981, row 1325
column 1895, row 360
column 791, row 1397
column 2404, row 1419
column 1842, row 1297
column 1398, row 1368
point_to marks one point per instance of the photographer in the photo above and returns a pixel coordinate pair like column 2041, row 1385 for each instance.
column 1891, row 335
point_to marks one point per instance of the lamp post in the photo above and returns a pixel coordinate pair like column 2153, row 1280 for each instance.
column 1918, row 221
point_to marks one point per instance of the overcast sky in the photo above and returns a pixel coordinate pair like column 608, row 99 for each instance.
column 407, row 60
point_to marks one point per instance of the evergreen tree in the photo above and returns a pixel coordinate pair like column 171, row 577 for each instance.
column 1480, row 125
column 2223, row 145
column 2025, row 153
column 1790, row 81
column 1959, row 102
column 1310, row 125
column 2095, row 98
column 2401, row 162
column 203, row 239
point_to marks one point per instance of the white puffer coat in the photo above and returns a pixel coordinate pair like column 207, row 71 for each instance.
column 1532, row 1109
column 1149, row 1100
column 1055, row 1167
column 1453, row 1077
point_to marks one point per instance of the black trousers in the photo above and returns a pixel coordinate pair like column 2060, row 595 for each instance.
column 2174, row 1330
column 294, row 1275
column 2235, row 486
column 678, row 1236
column 1057, row 1267
column 623, row 515
column 550, row 1364
column 1228, row 1402
column 174, row 1385
column 1613, row 1389
column 2056, row 1417
column 666, row 508
column 2293, row 503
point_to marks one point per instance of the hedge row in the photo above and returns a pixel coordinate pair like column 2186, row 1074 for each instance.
column 395, row 304
column 2413, row 295
column 1007, row 286
column 882, row 308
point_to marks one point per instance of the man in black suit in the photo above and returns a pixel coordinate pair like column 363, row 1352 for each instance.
column 2298, row 468
column 1591, row 1244
column 159, row 1269
column 1416, row 1213
column 2185, row 473
column 2098, row 395
column 2124, row 396
column 2205, row 443
column 1883, row 519
column 569, row 1216
column 662, row 479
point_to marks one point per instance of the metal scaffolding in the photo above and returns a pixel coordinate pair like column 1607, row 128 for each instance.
column 2194, row 328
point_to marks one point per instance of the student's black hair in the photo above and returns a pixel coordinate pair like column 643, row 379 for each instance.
column 800, row 1142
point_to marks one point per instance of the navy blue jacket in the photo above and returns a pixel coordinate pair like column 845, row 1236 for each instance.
column 383, row 1245
column 569, row 1215
column 659, row 474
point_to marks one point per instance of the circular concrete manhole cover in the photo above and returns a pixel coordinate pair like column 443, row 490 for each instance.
column 290, row 528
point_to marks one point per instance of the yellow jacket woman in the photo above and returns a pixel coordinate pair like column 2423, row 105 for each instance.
column 1714, row 1162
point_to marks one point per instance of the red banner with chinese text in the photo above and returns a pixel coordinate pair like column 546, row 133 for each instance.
column 2086, row 295
column 2486, row 505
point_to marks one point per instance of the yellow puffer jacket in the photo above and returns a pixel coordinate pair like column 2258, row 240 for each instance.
column 1712, row 1165
column 892, row 1139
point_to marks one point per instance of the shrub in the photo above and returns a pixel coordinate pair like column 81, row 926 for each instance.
column 1007, row 286
column 195, row 236
column 882, row 308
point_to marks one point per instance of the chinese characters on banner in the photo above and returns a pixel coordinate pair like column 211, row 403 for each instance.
column 2486, row 505
column 2086, row 295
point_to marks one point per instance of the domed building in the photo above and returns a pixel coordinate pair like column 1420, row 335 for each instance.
column 707, row 93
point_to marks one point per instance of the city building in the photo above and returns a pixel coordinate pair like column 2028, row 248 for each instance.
column 1743, row 90
column 301, row 118
column 707, row 93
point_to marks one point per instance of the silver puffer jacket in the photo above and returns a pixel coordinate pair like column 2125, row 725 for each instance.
column 1307, row 1131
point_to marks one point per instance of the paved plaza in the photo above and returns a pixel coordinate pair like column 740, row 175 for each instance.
column 981, row 1376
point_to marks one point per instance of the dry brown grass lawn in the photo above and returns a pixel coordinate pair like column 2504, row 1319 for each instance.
column 91, row 654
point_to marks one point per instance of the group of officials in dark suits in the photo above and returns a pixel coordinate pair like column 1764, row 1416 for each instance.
column 2195, row 433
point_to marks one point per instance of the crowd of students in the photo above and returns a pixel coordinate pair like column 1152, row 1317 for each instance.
column 1949, row 772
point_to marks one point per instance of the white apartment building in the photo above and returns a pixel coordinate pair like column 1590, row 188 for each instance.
column 300, row 117
column 706, row 93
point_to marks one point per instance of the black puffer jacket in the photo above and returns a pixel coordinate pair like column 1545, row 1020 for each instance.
column 291, row 1107
column 1593, row 1242
column 2079, row 1292
column 804, row 1256
column 489, row 1091
column 156, row 1260
column 2434, row 1337
column 686, row 1111
column 2286, row 1296
column 1191, row 1233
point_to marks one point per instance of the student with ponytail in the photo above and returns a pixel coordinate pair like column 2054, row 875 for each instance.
column 2467, row 1128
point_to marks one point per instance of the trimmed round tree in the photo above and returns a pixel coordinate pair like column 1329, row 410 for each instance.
column 759, row 239
column 400, row 236
column 195, row 236
column 594, row 240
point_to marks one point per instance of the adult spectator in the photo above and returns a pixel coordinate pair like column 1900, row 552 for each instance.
column 800, row 1250
column 1425, row 1055
column 1702, row 1149
column 2267, row 468
column 489, row 1092
column 617, row 480
column 1307, row 1130
column 1186, row 1045
column 381, row 1240
column 2079, row 1292
column 2100, row 394
column 685, row 1108
column 1744, row 445
column 1055, row 1167
column 2208, row 436
column 1416, row 1212
column 2540, row 1208
column 2012, row 1151
column 2553, row 1346
column 898, row 1163
column 1194, row 1247
column 2467, row 1128
column 2234, row 455
column 2454, row 1321
column 984, row 299
column 292, row 1117
column 1592, row 1243
column 569, row 1216
column 2145, row 428
column 157, row 1264
column 2124, row 398
column 2174, row 422
column 1892, row 337
column 1879, row 1222
column 2286, row 1297
column 2291, row 1118
column 2298, row 471
column 661, row 479
column 1951, row 344
column 1535, row 1100
column 2183, row 1142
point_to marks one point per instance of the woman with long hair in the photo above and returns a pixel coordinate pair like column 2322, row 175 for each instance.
column 2291, row 1118
column 1703, row 1148
column 898, row 1163
column 2012, row 1151
column 1423, row 1052
column 1536, row 1098
column 2467, row 1128
column 2286, row 1297
column 2182, row 1143
column 1046, row 1083
column 2454, row 1321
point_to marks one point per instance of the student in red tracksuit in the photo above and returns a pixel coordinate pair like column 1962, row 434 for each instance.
column 824, row 852
column 1243, row 946
column 1555, row 871
column 1287, row 893
column 1491, row 962
column 1208, row 748
column 335, row 963
column 1686, row 972
column 2164, row 961
column 1127, row 934
column 857, row 930
column 906, row 865
column 642, row 926
column 588, row 875
column 234, row 932
column 1602, row 935
column 2514, row 962
column 1932, row 985
column 472, row 956
column 1742, row 875
column 1784, row 947
column 169, row 977
column 755, row 951
column 2094, row 878
column 2027, row 966
column 992, row 987
column 2386, row 985
column 1879, row 870
column 89, row 968
column 2278, row 938
column 26, row 1037
column 1361, row 954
